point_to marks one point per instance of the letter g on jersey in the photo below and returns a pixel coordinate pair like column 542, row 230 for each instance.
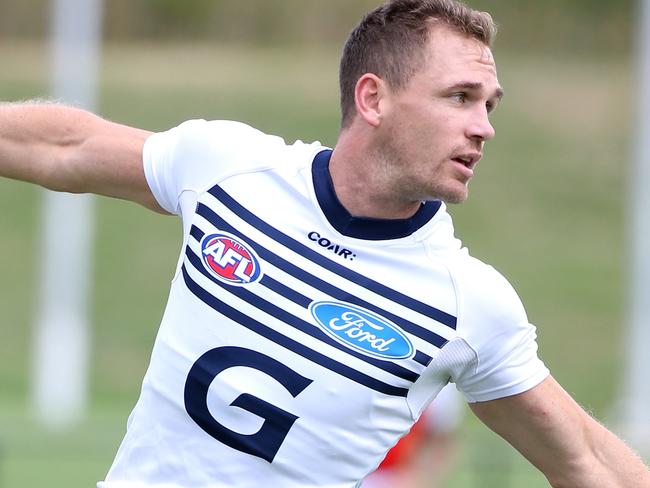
column 266, row 442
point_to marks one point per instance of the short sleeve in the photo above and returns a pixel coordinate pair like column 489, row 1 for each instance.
column 502, row 343
column 197, row 153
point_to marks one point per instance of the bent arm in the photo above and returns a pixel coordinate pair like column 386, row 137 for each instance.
column 556, row 435
column 68, row 149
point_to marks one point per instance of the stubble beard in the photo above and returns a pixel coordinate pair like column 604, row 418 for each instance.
column 455, row 197
column 408, row 186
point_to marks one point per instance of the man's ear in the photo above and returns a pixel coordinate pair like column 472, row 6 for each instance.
column 369, row 97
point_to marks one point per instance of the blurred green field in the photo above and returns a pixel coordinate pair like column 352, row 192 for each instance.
column 547, row 209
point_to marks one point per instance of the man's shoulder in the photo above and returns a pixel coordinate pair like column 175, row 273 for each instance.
column 225, row 133
column 196, row 154
column 225, row 146
column 483, row 291
column 225, row 140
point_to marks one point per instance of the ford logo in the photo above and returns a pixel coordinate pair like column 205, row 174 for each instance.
column 362, row 330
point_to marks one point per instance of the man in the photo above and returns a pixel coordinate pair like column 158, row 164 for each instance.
column 321, row 300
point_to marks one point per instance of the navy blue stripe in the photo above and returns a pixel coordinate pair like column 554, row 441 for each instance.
column 417, row 330
column 196, row 233
column 423, row 359
column 285, row 240
column 297, row 323
column 288, row 343
column 285, row 291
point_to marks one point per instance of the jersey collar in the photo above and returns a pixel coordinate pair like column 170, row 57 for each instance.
column 362, row 227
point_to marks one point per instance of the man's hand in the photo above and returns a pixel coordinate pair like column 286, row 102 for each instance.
column 555, row 434
column 72, row 150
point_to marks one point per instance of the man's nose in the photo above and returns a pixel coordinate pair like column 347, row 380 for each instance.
column 480, row 127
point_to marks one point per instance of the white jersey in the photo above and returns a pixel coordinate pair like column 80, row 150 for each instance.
column 299, row 343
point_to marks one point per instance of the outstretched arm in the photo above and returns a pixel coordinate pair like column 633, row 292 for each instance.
column 555, row 434
column 68, row 149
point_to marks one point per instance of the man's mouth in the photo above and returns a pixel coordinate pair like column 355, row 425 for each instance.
column 467, row 160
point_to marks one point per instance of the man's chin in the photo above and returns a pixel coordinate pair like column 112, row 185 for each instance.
column 452, row 194
column 455, row 197
column 454, row 201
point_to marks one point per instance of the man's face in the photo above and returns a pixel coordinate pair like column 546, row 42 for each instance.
column 433, row 130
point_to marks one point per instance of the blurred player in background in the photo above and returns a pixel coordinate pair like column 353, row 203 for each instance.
column 321, row 300
column 427, row 454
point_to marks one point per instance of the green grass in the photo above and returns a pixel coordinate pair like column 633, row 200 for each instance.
column 547, row 208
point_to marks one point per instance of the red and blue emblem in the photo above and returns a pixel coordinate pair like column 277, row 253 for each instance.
column 229, row 259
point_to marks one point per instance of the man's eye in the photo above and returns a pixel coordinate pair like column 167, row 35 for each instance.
column 460, row 97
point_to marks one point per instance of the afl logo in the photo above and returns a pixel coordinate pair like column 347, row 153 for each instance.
column 362, row 330
column 230, row 260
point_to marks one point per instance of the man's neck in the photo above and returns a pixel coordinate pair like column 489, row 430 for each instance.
column 360, row 184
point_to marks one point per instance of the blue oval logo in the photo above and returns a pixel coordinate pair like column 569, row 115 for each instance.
column 362, row 330
column 230, row 260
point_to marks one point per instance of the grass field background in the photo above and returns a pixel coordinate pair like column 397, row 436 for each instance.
column 547, row 209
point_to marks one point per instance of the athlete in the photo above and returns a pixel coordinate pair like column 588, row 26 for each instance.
column 283, row 362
